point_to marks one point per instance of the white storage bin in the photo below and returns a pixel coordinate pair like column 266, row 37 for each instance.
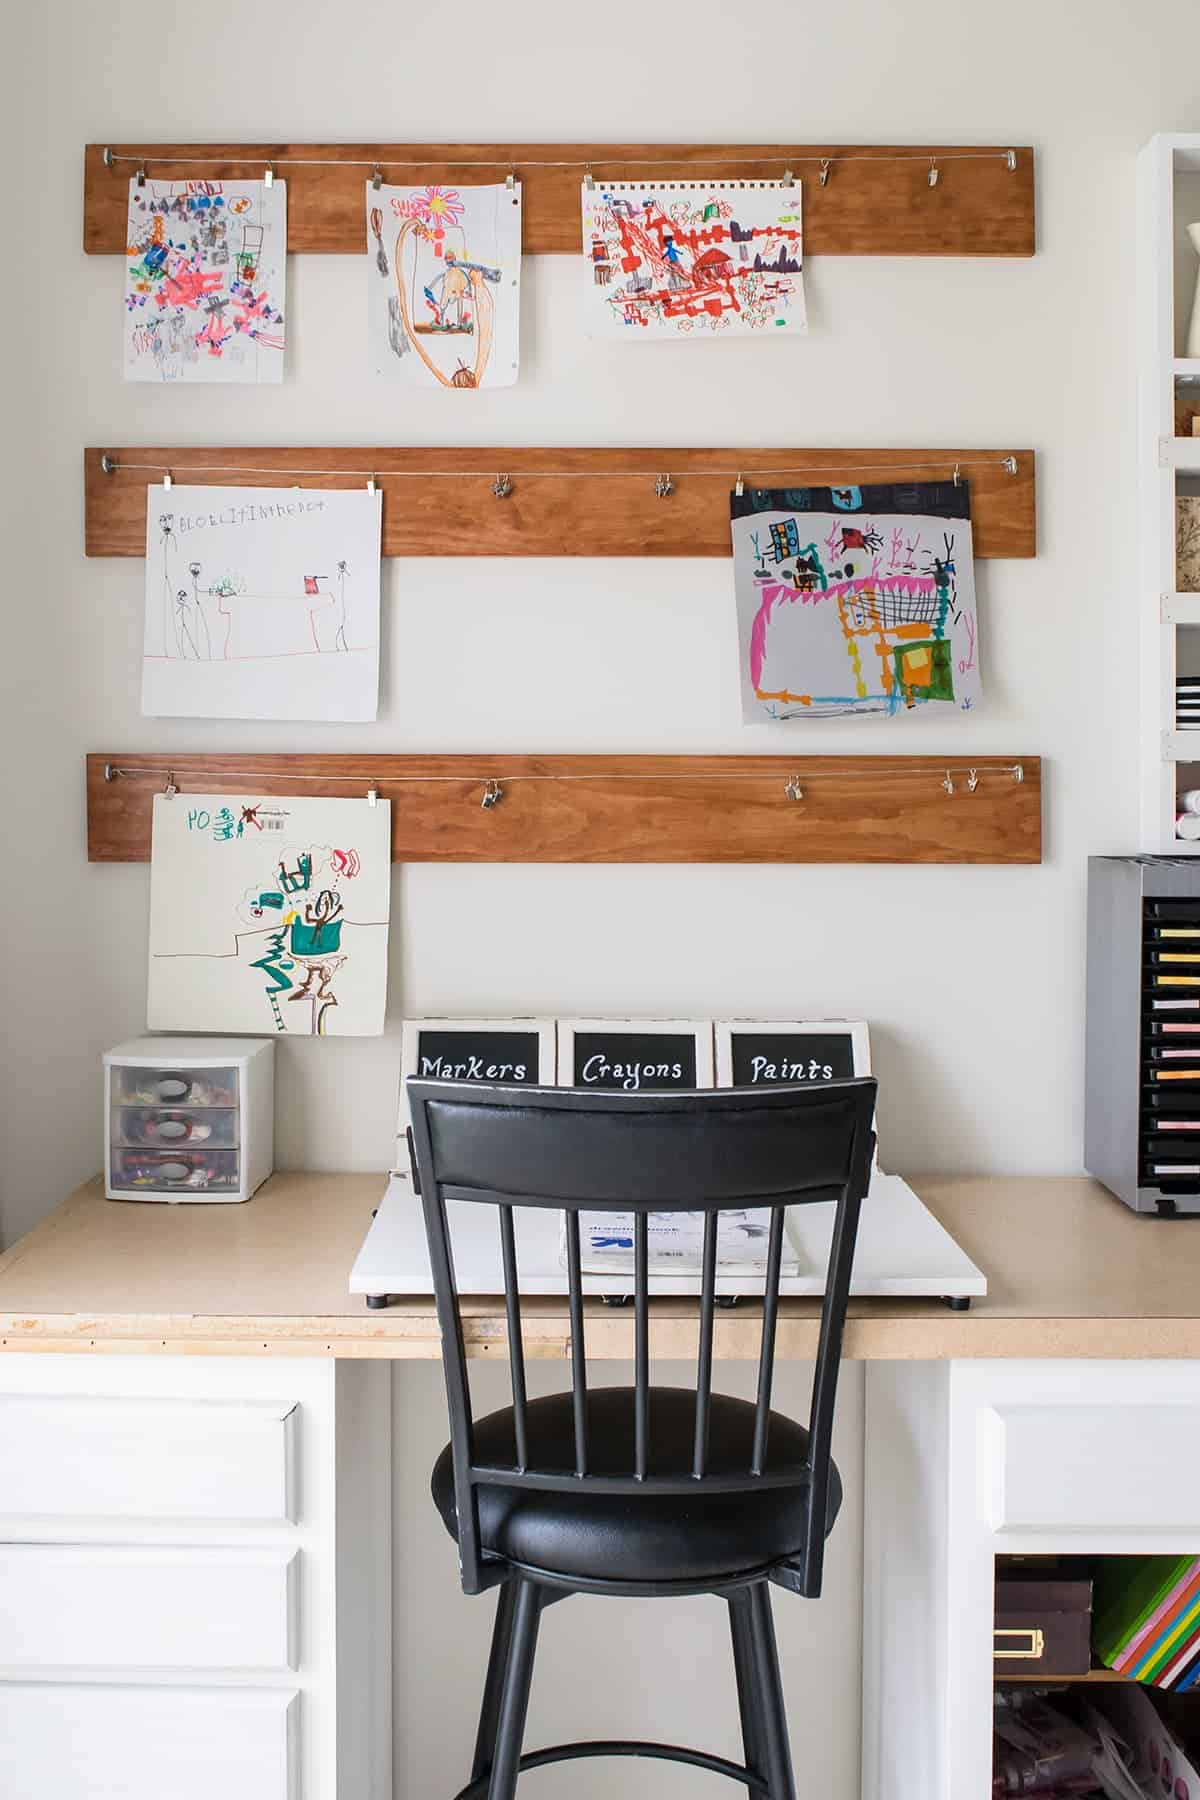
column 188, row 1118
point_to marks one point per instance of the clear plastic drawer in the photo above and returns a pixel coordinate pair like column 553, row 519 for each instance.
column 175, row 1171
column 176, row 1128
column 134, row 1085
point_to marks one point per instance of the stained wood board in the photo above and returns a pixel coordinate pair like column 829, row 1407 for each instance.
column 878, row 204
column 620, row 809
column 575, row 506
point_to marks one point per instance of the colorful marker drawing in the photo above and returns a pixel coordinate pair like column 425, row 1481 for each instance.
column 261, row 603
column 204, row 281
column 444, row 284
column 690, row 258
column 855, row 600
column 269, row 915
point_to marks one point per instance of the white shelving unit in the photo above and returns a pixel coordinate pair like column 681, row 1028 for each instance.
column 1168, row 200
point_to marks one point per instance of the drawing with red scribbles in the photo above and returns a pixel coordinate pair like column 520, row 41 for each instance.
column 682, row 259
column 204, row 281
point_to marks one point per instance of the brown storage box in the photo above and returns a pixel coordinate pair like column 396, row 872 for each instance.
column 1043, row 1628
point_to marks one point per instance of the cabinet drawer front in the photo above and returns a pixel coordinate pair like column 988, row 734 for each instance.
column 130, row 1743
column 1096, row 1467
column 101, row 1607
column 217, row 1460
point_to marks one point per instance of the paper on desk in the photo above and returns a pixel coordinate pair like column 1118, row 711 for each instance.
column 675, row 1242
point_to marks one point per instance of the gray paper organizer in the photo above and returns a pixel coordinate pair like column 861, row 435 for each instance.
column 1143, row 1021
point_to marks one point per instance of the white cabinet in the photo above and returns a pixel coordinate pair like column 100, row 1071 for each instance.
column 104, row 1606
column 968, row 1460
column 1095, row 1467
column 146, row 1743
column 194, row 1578
column 132, row 1457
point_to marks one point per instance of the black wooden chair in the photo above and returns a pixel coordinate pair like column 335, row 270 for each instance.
column 644, row 1490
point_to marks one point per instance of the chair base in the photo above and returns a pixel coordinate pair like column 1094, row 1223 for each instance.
column 499, row 1762
column 699, row 1759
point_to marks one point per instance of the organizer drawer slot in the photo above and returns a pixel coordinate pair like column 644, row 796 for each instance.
column 137, row 1086
column 174, row 1127
column 168, row 1171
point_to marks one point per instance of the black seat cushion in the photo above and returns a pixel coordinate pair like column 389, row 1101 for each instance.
column 700, row 1536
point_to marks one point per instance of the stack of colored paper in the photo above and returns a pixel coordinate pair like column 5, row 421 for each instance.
column 1147, row 1619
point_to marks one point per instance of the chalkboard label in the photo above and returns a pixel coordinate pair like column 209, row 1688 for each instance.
column 518, row 1052
column 768, row 1055
column 634, row 1056
column 510, row 1056
column 763, row 1059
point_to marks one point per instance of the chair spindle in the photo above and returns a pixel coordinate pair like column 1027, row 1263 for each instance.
column 516, row 1348
column 766, row 1355
column 708, row 1300
column 578, row 1351
column 641, row 1368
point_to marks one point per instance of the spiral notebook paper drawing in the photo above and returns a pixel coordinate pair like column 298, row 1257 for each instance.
column 680, row 259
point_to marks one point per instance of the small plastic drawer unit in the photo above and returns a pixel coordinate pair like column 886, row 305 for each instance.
column 188, row 1118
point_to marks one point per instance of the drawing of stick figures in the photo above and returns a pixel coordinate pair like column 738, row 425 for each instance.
column 339, row 642
column 194, row 572
column 183, row 626
column 170, row 624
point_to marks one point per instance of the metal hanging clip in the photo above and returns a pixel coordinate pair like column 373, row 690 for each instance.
column 370, row 484
column 141, row 175
column 167, row 479
column 934, row 172
column 793, row 790
column 739, row 486
column 170, row 790
column 948, row 783
column 664, row 487
column 1011, row 159
column 826, row 170
column 268, row 176
column 510, row 180
column 377, row 178
column 502, row 487
column 493, row 794
column 972, row 780
column 958, row 474
column 588, row 183
column 789, row 180
column 372, row 796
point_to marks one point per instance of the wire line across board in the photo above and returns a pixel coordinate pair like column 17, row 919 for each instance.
column 633, row 809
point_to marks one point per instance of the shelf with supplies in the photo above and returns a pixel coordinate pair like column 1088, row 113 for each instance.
column 859, row 199
column 555, row 502
column 1169, row 488
column 619, row 809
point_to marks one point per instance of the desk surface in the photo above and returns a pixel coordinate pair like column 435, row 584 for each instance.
column 1071, row 1272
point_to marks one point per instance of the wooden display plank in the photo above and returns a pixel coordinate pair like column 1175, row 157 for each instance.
column 877, row 201
column 620, row 809
column 578, row 508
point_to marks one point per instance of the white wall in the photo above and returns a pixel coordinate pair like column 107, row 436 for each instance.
column 972, row 978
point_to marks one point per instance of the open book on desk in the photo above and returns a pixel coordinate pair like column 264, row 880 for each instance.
column 902, row 1251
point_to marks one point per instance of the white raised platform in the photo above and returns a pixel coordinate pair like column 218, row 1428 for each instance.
column 902, row 1252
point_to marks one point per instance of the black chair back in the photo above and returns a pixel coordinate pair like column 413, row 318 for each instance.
column 711, row 1151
